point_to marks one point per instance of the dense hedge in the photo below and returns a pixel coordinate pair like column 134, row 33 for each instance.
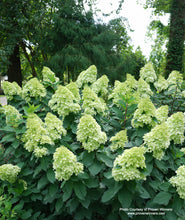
column 89, row 151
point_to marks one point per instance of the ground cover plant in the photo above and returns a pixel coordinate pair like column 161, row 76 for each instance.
column 88, row 151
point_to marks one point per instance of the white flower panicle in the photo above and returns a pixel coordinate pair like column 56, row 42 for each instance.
column 64, row 102
column 119, row 140
column 89, row 133
column 161, row 84
column 157, row 140
column 49, row 76
column 33, row 89
column 176, row 127
column 12, row 115
column 54, row 126
column 92, row 104
column 74, row 89
column 148, row 73
column 100, row 86
column 144, row 114
column 144, row 88
column 11, row 89
column 36, row 136
column 9, row 172
column 127, row 166
column 162, row 114
column 179, row 181
column 87, row 76
column 65, row 164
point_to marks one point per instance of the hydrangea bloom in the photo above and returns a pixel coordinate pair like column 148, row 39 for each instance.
column 127, row 165
column 12, row 115
column 36, row 135
column 148, row 73
column 119, row 140
column 91, row 102
column 176, row 127
column 74, row 89
column 100, row 86
column 89, row 133
column 157, row 140
column 126, row 89
column 87, row 76
column 144, row 88
column 54, row 126
column 161, row 84
column 144, row 114
column 183, row 150
column 49, row 76
column 179, row 181
column 9, row 172
column 63, row 102
column 33, row 89
column 162, row 113
column 65, row 164
column 11, row 89
column 174, row 78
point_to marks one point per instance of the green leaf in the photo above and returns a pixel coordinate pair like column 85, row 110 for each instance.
column 144, row 193
column 58, row 205
column 42, row 182
column 80, row 190
column 8, row 138
column 15, row 143
column 103, row 157
column 162, row 198
column 27, row 214
column 125, row 197
column 87, row 158
column 51, row 175
column 67, row 189
column 53, row 188
column 92, row 183
column 111, row 192
column 95, row 168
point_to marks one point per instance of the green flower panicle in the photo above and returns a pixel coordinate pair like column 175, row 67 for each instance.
column 127, row 166
column 144, row 88
column 36, row 136
column 144, row 114
column 162, row 114
column 100, row 86
column 157, row 140
column 12, row 115
column 179, row 181
column 33, row 89
column 11, row 89
column 49, row 76
column 89, row 133
column 64, row 102
column 161, row 84
column 176, row 127
column 92, row 104
column 65, row 164
column 54, row 126
column 148, row 73
column 87, row 77
column 174, row 78
column 9, row 172
column 119, row 140
column 72, row 86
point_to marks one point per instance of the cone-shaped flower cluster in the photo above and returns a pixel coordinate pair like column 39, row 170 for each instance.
column 12, row 115
column 127, row 166
column 33, row 89
column 119, row 140
column 49, row 76
column 179, row 181
column 89, row 133
column 65, row 164
column 100, row 86
column 148, row 73
column 9, row 172
column 11, row 89
column 162, row 113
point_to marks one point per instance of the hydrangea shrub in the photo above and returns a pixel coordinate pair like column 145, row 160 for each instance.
column 83, row 151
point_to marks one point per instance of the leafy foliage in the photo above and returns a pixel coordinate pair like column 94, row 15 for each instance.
column 72, row 179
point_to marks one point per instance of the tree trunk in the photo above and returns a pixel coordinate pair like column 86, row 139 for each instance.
column 14, row 69
column 175, row 48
